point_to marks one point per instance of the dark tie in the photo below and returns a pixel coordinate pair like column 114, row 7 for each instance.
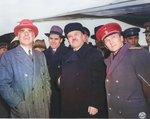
column 53, row 51
column 30, row 55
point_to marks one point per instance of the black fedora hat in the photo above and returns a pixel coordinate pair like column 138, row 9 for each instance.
column 86, row 31
column 55, row 30
column 95, row 30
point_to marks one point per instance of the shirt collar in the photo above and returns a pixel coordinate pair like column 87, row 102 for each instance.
column 26, row 50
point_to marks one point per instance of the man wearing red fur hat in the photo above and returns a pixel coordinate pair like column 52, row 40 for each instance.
column 128, row 78
column 24, row 77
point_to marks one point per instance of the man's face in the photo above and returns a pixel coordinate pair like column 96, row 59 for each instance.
column 132, row 40
column 86, row 37
column 76, row 39
column 114, row 42
column 54, row 41
column 147, row 34
column 2, row 50
column 26, row 37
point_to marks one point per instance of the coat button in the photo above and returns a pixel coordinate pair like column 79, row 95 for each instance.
column 120, row 112
column 42, row 87
column 107, row 80
column 43, row 73
column 108, row 94
column 77, row 73
column 77, row 88
column 118, row 97
column 26, row 75
column 33, row 102
column 117, row 81
column 109, row 108
column 43, row 100
column 32, row 88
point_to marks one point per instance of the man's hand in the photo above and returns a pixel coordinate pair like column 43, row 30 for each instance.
column 58, row 81
column 92, row 110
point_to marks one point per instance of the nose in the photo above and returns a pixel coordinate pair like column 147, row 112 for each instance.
column 73, row 37
column 134, row 40
column 53, row 40
column 111, row 42
column 26, row 32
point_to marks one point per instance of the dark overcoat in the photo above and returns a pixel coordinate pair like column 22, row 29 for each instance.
column 147, row 48
column 128, row 83
column 83, row 83
column 25, row 85
column 53, row 63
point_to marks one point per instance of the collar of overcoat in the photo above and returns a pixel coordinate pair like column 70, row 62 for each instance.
column 23, row 57
column 75, row 55
column 112, row 64
column 34, row 66
column 60, row 52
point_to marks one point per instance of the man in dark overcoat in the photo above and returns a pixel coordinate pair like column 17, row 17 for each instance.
column 147, row 35
column 82, row 80
column 54, row 55
column 128, row 75
column 100, row 45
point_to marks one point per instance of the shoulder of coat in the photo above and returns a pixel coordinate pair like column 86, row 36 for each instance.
column 136, row 48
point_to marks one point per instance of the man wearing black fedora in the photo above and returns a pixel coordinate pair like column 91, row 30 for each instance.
column 100, row 45
column 54, row 55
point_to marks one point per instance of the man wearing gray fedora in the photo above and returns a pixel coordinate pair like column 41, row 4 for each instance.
column 54, row 55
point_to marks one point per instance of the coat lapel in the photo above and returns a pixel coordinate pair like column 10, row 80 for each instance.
column 36, row 65
column 75, row 55
column 112, row 64
column 58, row 54
column 22, row 56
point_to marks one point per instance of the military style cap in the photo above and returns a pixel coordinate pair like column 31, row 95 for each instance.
column 86, row 31
column 4, row 45
column 107, row 29
column 131, row 32
column 147, row 27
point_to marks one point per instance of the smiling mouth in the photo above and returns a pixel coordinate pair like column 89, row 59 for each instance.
column 26, row 38
column 113, row 46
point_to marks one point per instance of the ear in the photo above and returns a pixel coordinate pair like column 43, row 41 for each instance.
column 83, row 37
column 33, row 34
column 121, row 38
column 61, row 40
column 18, row 35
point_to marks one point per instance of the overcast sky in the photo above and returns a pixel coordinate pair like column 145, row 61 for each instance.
column 13, row 11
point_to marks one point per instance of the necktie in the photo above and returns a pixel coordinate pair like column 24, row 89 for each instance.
column 30, row 55
column 53, row 51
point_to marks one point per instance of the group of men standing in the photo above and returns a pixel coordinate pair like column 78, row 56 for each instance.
column 72, row 81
